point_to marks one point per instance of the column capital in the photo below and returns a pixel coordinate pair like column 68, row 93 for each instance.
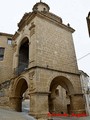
column 39, row 92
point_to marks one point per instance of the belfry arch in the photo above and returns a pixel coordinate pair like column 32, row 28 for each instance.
column 68, row 87
column 23, row 52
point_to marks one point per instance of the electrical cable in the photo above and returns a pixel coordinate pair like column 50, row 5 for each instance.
column 83, row 56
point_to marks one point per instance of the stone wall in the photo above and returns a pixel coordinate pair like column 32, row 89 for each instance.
column 6, row 64
column 4, row 93
column 54, row 47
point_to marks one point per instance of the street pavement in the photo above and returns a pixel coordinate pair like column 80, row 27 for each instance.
column 12, row 115
column 72, row 118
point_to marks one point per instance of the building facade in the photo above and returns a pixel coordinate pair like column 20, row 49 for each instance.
column 6, row 70
column 6, row 57
column 88, row 23
column 85, row 83
column 43, row 60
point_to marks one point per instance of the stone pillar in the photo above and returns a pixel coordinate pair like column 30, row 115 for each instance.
column 51, row 103
column 39, row 104
column 77, row 103
column 16, row 103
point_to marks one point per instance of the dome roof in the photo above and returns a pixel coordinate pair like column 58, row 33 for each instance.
column 40, row 6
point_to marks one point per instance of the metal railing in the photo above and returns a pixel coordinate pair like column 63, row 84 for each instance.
column 5, row 84
column 22, row 67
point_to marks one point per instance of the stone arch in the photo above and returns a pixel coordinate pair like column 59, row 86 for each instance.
column 64, row 83
column 18, row 80
column 17, row 47
column 23, row 55
column 20, row 41
column 19, row 87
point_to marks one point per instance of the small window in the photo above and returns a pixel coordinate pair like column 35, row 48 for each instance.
column 1, row 53
column 44, row 9
column 9, row 41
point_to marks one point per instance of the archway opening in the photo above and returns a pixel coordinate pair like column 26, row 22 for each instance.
column 21, row 93
column 23, row 55
column 59, row 100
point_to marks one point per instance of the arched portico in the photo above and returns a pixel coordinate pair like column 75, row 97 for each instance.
column 73, row 106
column 16, row 97
column 68, row 88
column 62, row 81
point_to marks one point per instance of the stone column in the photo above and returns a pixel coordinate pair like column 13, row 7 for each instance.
column 51, row 103
column 16, row 103
column 39, row 104
column 77, row 103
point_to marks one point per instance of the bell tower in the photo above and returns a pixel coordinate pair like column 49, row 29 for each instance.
column 46, row 43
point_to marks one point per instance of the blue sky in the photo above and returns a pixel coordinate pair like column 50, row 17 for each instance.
column 71, row 11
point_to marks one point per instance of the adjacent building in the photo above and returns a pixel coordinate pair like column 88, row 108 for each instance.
column 6, row 57
column 88, row 22
column 85, row 83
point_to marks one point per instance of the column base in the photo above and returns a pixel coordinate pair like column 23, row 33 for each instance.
column 78, row 111
column 16, row 103
column 44, row 116
column 39, row 105
column 77, row 104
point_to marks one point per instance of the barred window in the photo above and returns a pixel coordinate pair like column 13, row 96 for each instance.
column 1, row 53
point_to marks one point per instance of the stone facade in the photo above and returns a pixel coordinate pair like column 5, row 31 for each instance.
column 6, row 63
column 5, row 67
column 44, row 58
column 85, row 83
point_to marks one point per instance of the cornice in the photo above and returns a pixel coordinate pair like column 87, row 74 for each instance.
column 53, row 18
column 57, row 20
column 59, row 23
column 15, row 35
column 23, row 20
column 6, row 34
